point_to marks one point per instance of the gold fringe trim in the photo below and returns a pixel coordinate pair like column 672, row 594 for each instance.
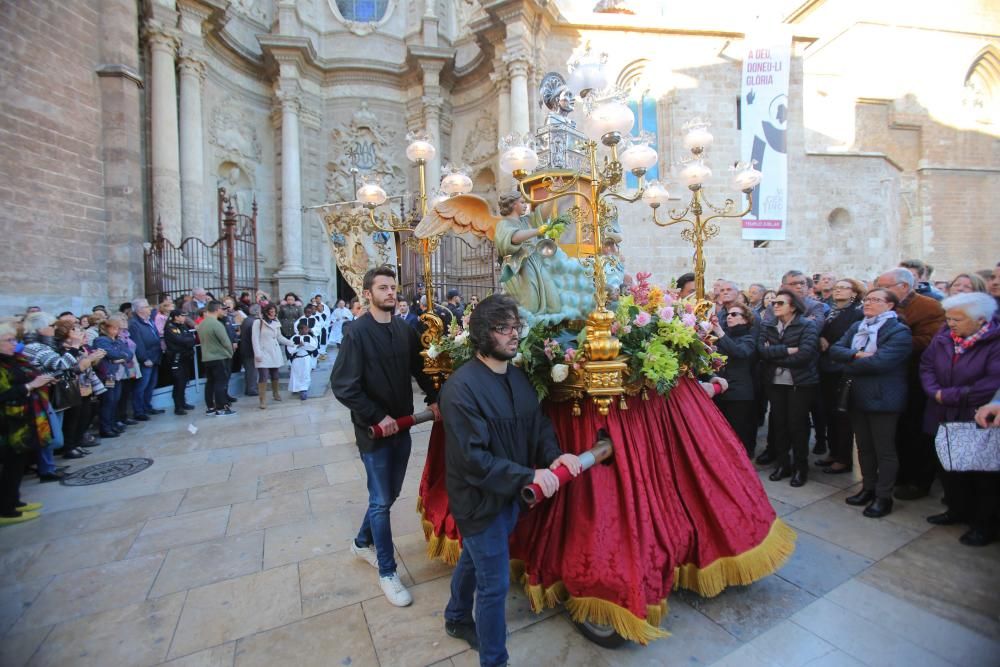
column 742, row 569
column 438, row 546
column 581, row 609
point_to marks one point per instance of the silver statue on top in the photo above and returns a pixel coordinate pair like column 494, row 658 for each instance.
column 559, row 141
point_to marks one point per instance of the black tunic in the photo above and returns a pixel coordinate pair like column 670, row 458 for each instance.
column 496, row 436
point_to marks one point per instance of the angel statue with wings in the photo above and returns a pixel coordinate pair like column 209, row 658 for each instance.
column 549, row 289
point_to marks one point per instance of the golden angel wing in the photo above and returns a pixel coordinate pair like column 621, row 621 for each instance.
column 460, row 214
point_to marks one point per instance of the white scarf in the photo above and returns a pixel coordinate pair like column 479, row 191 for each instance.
column 867, row 337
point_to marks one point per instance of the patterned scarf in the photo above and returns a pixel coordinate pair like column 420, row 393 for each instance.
column 963, row 344
column 17, row 415
column 867, row 336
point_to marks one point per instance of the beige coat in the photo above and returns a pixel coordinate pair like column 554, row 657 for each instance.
column 267, row 342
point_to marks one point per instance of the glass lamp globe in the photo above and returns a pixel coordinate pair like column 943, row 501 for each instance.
column 655, row 195
column 519, row 159
column 420, row 147
column 638, row 157
column 456, row 183
column 371, row 194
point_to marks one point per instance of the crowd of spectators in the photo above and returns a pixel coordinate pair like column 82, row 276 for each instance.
column 880, row 363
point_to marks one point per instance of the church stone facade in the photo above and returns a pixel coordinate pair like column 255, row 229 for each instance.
column 117, row 114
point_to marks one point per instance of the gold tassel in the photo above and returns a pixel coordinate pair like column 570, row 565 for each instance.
column 742, row 569
column 438, row 546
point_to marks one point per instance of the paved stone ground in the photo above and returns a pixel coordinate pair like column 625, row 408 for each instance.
column 232, row 550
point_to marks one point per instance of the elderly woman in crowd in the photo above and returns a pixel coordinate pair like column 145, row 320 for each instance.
column 964, row 283
column 788, row 347
column 960, row 371
column 50, row 357
column 874, row 353
column 24, row 429
column 738, row 342
column 111, row 370
column 268, row 355
column 69, row 338
column 845, row 310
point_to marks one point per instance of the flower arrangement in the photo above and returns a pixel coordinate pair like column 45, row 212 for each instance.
column 663, row 339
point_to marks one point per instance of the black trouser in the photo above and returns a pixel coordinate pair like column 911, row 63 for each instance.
column 249, row 377
column 11, row 471
column 216, row 384
column 742, row 416
column 124, row 399
column 178, row 371
column 918, row 462
column 876, row 434
column 75, row 422
column 839, row 433
column 790, row 422
column 974, row 497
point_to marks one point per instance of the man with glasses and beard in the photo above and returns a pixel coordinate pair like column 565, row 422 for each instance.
column 378, row 356
column 497, row 440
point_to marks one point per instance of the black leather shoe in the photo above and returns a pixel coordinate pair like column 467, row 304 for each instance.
column 977, row 537
column 948, row 518
column 836, row 471
column 50, row 477
column 142, row 418
column 910, row 492
column 859, row 499
column 188, row 407
column 878, row 508
column 110, row 434
column 466, row 631
column 156, row 411
column 766, row 458
column 824, row 463
column 130, row 422
column 73, row 454
column 799, row 478
column 780, row 473
column 180, row 412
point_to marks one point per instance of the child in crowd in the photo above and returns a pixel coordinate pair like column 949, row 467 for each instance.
column 303, row 346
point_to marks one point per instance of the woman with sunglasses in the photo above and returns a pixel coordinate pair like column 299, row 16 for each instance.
column 845, row 310
column 789, row 349
column 875, row 353
column 738, row 341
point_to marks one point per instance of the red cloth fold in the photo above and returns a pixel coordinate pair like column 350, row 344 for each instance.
column 680, row 490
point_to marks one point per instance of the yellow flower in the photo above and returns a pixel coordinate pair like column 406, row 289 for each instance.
column 655, row 300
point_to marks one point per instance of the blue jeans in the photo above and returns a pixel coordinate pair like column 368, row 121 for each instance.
column 46, row 461
column 109, row 405
column 142, row 392
column 484, row 569
column 385, row 467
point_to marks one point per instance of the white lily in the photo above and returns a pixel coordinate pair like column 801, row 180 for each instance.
column 560, row 372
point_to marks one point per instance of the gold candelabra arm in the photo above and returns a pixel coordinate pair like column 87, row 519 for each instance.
column 673, row 217
column 395, row 223
column 558, row 195
column 728, row 207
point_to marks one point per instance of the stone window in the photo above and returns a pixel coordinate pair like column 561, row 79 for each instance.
column 982, row 87
column 633, row 79
column 362, row 11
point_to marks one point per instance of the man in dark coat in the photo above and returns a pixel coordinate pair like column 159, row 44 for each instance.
column 377, row 358
column 148, row 353
column 497, row 441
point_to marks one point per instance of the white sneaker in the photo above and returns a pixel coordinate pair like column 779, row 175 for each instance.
column 395, row 591
column 367, row 554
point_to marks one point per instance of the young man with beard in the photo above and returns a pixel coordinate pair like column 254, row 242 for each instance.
column 378, row 356
column 497, row 441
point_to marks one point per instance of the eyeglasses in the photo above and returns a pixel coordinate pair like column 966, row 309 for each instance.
column 778, row 302
column 873, row 299
column 735, row 314
column 508, row 329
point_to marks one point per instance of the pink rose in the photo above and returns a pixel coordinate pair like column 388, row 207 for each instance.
column 666, row 313
column 614, row 328
column 642, row 318
column 570, row 355
column 626, row 330
column 689, row 320
column 668, row 299
column 689, row 307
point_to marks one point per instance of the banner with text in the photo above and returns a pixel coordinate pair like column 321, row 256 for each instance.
column 764, row 126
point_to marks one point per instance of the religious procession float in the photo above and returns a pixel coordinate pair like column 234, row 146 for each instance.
column 676, row 502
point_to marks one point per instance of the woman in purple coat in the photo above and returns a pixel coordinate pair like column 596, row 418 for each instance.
column 960, row 371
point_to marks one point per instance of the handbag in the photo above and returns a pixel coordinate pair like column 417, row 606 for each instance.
column 844, row 394
column 64, row 393
column 963, row 446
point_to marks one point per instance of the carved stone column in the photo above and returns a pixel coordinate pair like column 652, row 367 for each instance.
column 517, row 66
column 503, row 103
column 165, row 169
column 432, row 122
column 192, row 160
column 288, row 96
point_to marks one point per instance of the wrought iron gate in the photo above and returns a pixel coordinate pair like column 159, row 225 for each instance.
column 227, row 266
column 467, row 265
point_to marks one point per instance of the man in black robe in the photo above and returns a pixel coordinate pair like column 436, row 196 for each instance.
column 371, row 376
column 497, row 441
